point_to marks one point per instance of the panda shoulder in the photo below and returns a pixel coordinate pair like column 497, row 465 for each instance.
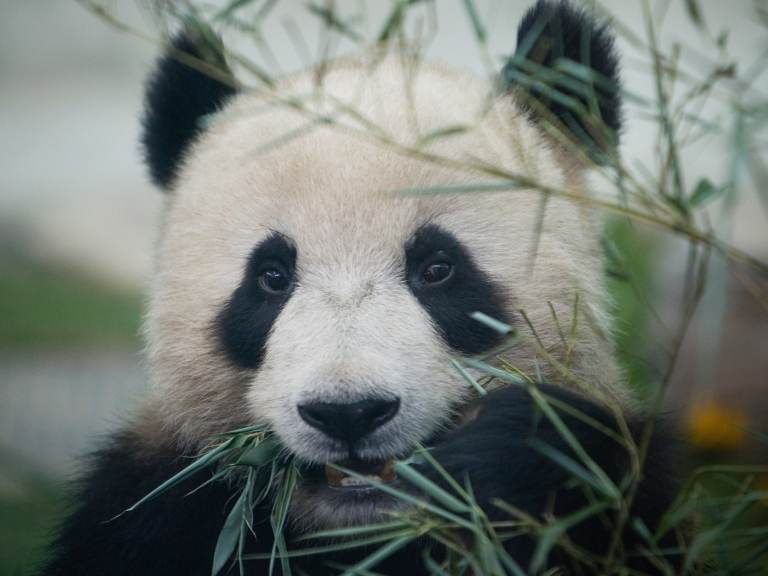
column 168, row 535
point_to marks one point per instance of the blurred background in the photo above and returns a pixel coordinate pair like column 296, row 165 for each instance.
column 78, row 219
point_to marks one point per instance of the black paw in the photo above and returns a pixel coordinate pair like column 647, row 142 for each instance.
column 505, row 449
column 511, row 451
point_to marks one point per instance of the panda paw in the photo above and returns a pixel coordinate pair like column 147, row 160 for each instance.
column 497, row 451
column 504, row 454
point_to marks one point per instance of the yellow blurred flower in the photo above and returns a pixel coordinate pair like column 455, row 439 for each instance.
column 712, row 426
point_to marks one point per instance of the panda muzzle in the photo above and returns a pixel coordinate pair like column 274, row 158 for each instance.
column 366, row 473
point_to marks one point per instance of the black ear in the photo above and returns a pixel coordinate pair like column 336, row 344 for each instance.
column 566, row 71
column 190, row 81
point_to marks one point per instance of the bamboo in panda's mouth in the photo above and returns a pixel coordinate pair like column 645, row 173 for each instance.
column 381, row 471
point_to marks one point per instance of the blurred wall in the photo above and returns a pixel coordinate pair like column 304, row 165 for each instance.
column 72, row 188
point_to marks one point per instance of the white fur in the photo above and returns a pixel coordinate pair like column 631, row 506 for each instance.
column 352, row 327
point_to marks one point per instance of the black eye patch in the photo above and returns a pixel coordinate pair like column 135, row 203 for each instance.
column 243, row 324
column 450, row 302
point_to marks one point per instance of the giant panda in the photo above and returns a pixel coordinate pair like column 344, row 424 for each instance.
column 300, row 286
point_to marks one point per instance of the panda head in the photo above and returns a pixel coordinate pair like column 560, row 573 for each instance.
column 299, row 287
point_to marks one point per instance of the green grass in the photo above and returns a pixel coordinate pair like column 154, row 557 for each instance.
column 27, row 516
column 49, row 307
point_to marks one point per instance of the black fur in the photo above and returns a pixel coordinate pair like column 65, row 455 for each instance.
column 554, row 30
column 177, row 97
column 244, row 323
column 171, row 535
column 497, row 451
column 500, row 453
column 450, row 304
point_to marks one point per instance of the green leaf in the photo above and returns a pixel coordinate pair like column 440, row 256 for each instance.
column 707, row 538
column 694, row 12
column 468, row 377
column 393, row 21
column 512, row 566
column 229, row 535
column 441, row 133
column 608, row 487
column 705, row 191
column 415, row 501
column 333, row 22
column 426, row 485
column 278, row 518
column 477, row 23
column 575, row 469
column 218, row 476
column 552, row 534
column 490, row 370
column 492, row 323
column 244, row 430
column 207, row 459
column 434, row 568
column 261, row 453
column 339, row 533
column 344, row 544
column 422, row 455
column 722, row 39
column 504, row 186
column 379, row 555
column 231, row 8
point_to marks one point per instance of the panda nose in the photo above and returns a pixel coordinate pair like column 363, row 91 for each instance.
column 349, row 421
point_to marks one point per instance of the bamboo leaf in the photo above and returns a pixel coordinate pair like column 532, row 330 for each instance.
column 442, row 133
column 332, row 21
column 468, row 377
column 348, row 544
column 278, row 518
column 552, row 534
column 608, row 486
column 261, row 453
column 705, row 192
column 575, row 469
column 417, row 502
column 512, row 566
column 477, row 24
column 502, row 375
column 337, row 533
column 430, row 488
column 694, row 12
column 229, row 535
column 464, row 188
column 199, row 464
column 393, row 21
column 424, row 456
column 380, row 554
column 231, row 8
column 492, row 323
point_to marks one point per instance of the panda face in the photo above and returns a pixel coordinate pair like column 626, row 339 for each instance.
column 300, row 290
column 310, row 280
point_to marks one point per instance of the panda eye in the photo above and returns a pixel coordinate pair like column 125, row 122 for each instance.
column 274, row 279
column 436, row 273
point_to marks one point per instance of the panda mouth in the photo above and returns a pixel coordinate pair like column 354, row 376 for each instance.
column 366, row 473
